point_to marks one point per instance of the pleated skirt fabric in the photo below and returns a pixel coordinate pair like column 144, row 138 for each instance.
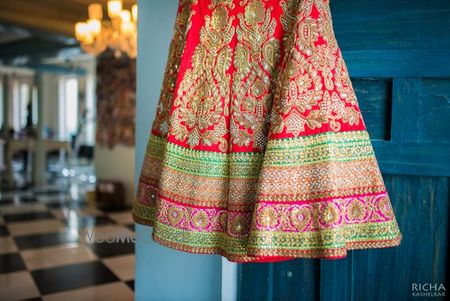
column 258, row 150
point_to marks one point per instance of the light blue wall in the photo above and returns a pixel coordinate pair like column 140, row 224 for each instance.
column 163, row 273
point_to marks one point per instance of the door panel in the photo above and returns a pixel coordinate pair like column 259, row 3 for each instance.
column 398, row 55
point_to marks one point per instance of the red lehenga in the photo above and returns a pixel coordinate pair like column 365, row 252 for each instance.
column 259, row 151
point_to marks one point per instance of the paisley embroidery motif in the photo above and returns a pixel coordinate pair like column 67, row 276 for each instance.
column 356, row 210
column 329, row 214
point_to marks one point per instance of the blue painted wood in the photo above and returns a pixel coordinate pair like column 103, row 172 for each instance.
column 398, row 63
column 398, row 55
column 376, row 94
column 435, row 110
column 255, row 282
column 413, row 158
column 406, row 93
column 339, row 287
column 392, row 25
column 296, row 280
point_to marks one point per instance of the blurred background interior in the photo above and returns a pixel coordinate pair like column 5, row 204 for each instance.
column 67, row 109
column 67, row 93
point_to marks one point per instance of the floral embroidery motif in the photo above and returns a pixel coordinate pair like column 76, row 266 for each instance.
column 239, row 225
column 175, row 215
column 275, row 208
column 294, row 226
column 200, row 220
column 300, row 217
column 268, row 218
column 308, row 93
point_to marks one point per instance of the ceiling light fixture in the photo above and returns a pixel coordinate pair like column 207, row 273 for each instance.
column 118, row 33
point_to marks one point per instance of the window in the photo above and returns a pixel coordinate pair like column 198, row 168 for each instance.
column 21, row 99
column 91, row 109
column 34, row 99
column 1, row 104
column 24, row 101
column 68, row 108
column 15, row 105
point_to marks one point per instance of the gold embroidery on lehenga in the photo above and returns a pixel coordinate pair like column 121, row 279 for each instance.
column 175, row 215
column 256, row 55
column 328, row 214
column 343, row 83
column 200, row 220
column 287, row 18
column 268, row 218
column 300, row 217
column 182, row 24
column 215, row 3
column 313, row 88
column 356, row 210
column 311, row 196
column 202, row 98
column 239, row 225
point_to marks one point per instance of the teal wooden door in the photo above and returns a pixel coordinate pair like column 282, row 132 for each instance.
column 398, row 55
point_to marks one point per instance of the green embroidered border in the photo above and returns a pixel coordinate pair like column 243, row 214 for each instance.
column 156, row 147
column 143, row 214
column 324, row 147
column 281, row 153
column 329, row 239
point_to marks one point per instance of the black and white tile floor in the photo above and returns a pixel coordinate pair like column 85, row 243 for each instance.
column 52, row 248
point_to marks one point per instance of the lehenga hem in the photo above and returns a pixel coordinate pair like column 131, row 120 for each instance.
column 282, row 255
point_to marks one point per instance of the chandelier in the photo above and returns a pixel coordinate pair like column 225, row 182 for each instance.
column 118, row 33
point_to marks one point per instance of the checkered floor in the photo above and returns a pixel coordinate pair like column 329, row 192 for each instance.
column 54, row 248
